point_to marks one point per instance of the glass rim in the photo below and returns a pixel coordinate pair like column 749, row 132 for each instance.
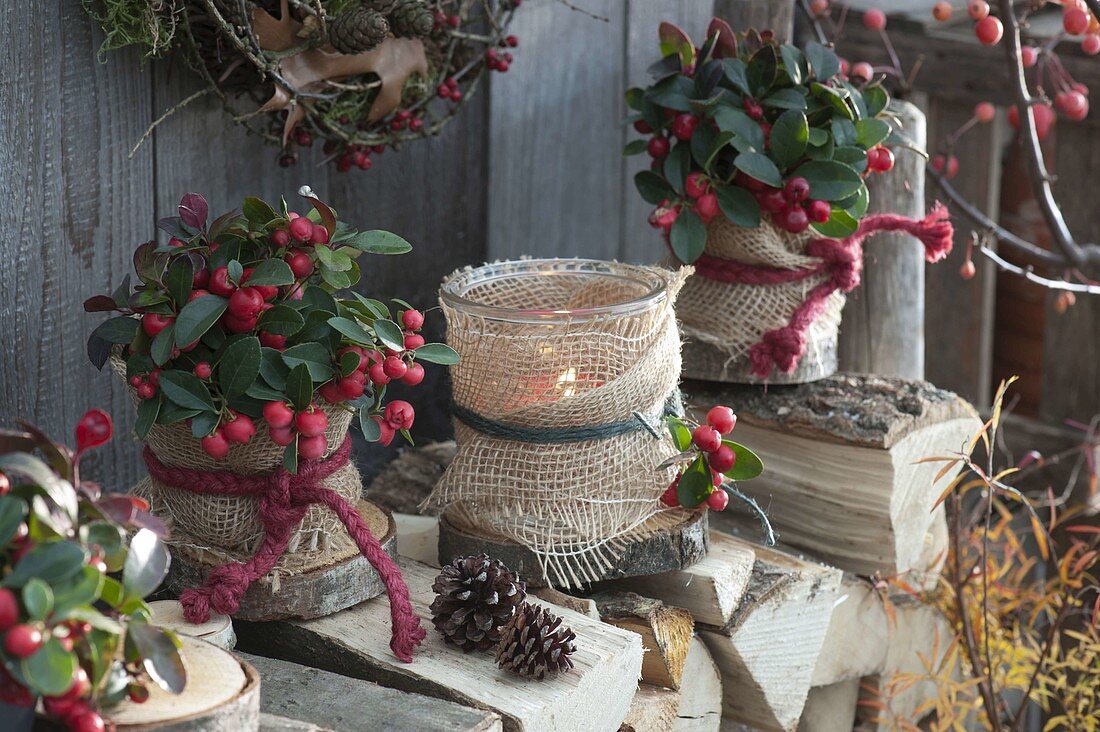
column 454, row 289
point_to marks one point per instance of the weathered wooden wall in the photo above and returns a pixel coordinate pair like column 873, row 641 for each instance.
column 532, row 166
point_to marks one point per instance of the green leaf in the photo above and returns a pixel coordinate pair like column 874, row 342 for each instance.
column 203, row 424
column 378, row 242
column 239, row 366
column 870, row 132
column 197, row 316
column 163, row 343
column 235, row 270
column 334, row 260
column 147, row 411
column 258, row 211
column 437, row 353
column 792, row 63
column 695, row 484
column 875, row 98
column 681, row 435
column 117, row 330
column 290, row 457
column 823, row 62
column 762, row 71
column 83, row 589
column 273, row 369
column 390, row 334
column 748, row 137
column 60, row 492
column 840, row 224
column 12, row 511
column 748, row 464
column 688, row 237
column 271, row 272
column 37, row 599
column 652, row 187
column 186, row 390
column 844, row 131
column 108, row 540
column 736, row 73
column 678, row 165
column 146, row 565
column 335, row 279
column 370, row 429
column 739, row 206
column 50, row 670
column 835, row 98
column 818, row 137
column 299, row 387
column 160, row 656
column 281, row 320
column 675, row 92
column 829, row 180
column 785, row 99
column 634, row 147
column 171, row 413
column 179, row 278
column 353, row 331
column 314, row 356
column 759, row 166
column 52, row 562
column 790, row 135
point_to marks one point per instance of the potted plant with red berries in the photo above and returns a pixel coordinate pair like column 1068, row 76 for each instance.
column 248, row 367
column 760, row 154
column 74, row 624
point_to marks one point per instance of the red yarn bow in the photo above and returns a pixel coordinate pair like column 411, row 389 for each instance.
column 843, row 260
column 284, row 499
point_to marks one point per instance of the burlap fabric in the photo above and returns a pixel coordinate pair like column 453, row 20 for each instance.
column 733, row 316
column 574, row 503
column 219, row 529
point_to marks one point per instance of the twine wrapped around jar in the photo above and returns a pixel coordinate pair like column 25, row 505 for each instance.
column 561, row 362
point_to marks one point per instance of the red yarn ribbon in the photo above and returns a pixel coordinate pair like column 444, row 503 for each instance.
column 842, row 259
column 284, row 499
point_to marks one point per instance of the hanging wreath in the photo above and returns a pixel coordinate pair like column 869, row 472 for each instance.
column 357, row 75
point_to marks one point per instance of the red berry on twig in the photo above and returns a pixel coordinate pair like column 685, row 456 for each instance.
column 874, row 19
column 706, row 438
column 722, row 419
column 718, row 500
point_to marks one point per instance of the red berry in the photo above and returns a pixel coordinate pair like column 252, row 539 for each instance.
column 696, row 184
column 718, row 500
column 706, row 438
column 311, row 424
column 874, row 19
column 722, row 459
column 1090, row 45
column 330, row 392
column 796, row 190
column 512, row 41
column 707, row 207
column 301, row 229
column 146, row 391
column 985, row 112
column 350, row 388
column 669, row 497
column 220, row 284
column 1029, row 56
column 138, row 694
column 862, row 71
column 968, row 270
column 282, row 436
column 239, row 430
column 387, row 432
column 819, row 7
column 196, row 294
column 774, row 201
column 273, row 340
column 989, row 30
column 722, row 419
column 414, row 375
column 882, row 160
column 377, row 374
column 412, row 319
column 819, row 211
column 658, row 147
column 80, row 685
column 136, row 381
column 752, row 109
column 978, row 9
column 941, row 11
column 153, row 323
column 9, row 608
column 795, row 220
column 399, row 414
column 1075, row 20
column 413, row 341
column 684, row 126
column 642, row 126
column 394, row 367
column 88, row 721
column 22, row 641
column 94, row 429
column 215, row 445
column 312, row 448
column 203, row 370
column 238, row 325
column 246, row 302
column 280, row 238
column 200, row 278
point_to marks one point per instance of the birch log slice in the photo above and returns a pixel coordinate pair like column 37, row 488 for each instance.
column 662, row 550
column 168, row 614
column 707, row 362
column 222, row 693
column 313, row 594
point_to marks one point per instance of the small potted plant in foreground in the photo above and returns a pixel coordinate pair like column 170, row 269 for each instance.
column 75, row 628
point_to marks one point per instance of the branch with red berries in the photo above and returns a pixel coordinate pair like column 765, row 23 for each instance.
column 1044, row 91
column 240, row 318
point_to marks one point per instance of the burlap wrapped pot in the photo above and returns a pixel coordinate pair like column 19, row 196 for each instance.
column 726, row 319
column 557, row 357
column 220, row 528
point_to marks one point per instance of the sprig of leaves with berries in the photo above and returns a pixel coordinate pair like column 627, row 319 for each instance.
column 744, row 126
column 239, row 318
column 706, row 460
column 74, row 623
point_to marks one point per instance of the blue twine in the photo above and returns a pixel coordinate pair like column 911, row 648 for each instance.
column 555, row 435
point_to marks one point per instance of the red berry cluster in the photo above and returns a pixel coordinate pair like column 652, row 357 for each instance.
column 234, row 428
column 706, row 441
column 353, row 155
column 307, row 426
column 496, row 61
column 449, row 90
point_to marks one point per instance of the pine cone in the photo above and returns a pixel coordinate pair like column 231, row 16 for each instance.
column 475, row 598
column 357, row 30
column 411, row 19
column 535, row 644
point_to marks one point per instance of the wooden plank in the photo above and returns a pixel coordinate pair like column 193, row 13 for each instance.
column 342, row 703
column 595, row 695
column 555, row 170
column 959, row 315
column 883, row 319
column 418, row 537
column 73, row 207
column 774, row 15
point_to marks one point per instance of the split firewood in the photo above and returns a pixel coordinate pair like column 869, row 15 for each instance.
column 831, row 708
column 653, row 710
column 418, row 537
column 768, row 650
column 582, row 605
column 666, row 633
column 700, row 707
column 842, row 481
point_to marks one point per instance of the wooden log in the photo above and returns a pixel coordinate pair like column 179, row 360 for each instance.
column 222, row 693
column 768, row 651
column 661, row 551
column 666, row 633
column 700, row 708
column 652, row 710
column 582, row 605
column 322, row 591
column 339, row 702
column 408, row 479
column 217, row 630
column 882, row 329
column 595, row 695
column 831, row 708
column 841, row 479
column 710, row 363
column 711, row 589
column 274, row 723
column 858, row 636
